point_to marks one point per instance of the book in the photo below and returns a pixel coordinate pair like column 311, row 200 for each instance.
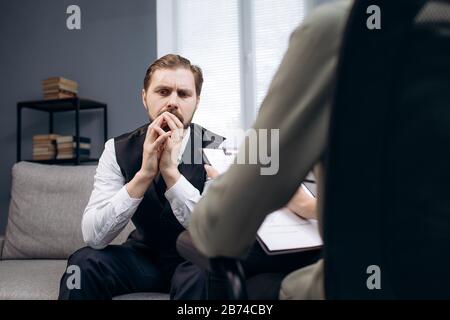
column 40, row 150
column 60, row 89
column 83, row 145
column 44, row 137
column 59, row 96
column 63, row 139
column 43, row 144
column 43, row 149
column 43, row 157
column 66, row 146
column 53, row 80
column 82, row 151
column 47, row 155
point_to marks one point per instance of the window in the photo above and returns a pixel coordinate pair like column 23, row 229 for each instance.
column 237, row 43
column 274, row 23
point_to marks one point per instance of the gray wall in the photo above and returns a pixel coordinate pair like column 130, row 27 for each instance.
column 107, row 57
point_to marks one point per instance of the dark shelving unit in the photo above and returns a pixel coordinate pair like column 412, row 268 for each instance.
column 61, row 105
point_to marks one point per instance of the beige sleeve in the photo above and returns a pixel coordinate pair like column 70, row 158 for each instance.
column 225, row 221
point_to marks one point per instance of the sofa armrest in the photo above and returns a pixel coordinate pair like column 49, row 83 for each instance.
column 2, row 241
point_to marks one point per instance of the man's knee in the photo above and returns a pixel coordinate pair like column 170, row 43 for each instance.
column 86, row 259
column 93, row 266
column 83, row 271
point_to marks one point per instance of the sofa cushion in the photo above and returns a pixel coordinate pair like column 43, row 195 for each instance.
column 30, row 279
column 39, row 280
column 47, row 204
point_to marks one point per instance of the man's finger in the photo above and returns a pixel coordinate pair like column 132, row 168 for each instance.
column 176, row 120
column 151, row 135
column 158, row 121
column 161, row 139
column 159, row 130
column 172, row 125
column 149, row 129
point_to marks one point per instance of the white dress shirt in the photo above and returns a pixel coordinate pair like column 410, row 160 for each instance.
column 110, row 207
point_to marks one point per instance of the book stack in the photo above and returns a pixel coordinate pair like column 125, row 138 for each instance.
column 44, row 146
column 67, row 147
column 59, row 88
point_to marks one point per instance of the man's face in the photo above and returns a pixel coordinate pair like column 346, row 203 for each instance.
column 172, row 91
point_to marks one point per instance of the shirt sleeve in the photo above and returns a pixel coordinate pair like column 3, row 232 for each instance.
column 110, row 207
column 183, row 197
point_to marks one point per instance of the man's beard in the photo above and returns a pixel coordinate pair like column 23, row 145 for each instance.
column 178, row 115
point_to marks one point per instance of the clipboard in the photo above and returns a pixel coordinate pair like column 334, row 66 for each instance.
column 284, row 232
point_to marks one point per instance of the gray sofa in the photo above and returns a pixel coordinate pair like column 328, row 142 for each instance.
column 44, row 228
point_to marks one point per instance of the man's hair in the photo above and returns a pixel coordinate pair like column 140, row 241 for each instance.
column 175, row 61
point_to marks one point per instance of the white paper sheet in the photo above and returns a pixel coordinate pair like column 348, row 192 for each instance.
column 284, row 230
column 219, row 159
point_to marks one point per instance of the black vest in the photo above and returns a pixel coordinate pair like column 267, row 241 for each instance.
column 156, row 224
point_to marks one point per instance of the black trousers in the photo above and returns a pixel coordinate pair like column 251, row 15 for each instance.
column 264, row 274
column 127, row 268
column 134, row 267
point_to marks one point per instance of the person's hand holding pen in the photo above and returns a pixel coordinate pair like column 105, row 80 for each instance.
column 303, row 204
column 211, row 172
